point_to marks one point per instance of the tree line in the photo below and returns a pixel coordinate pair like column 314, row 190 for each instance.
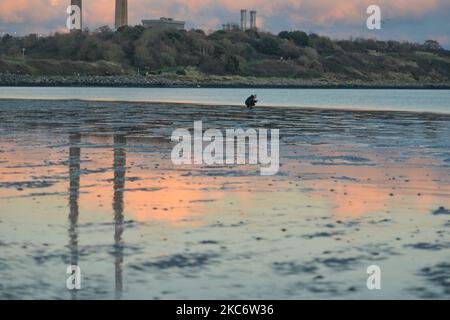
column 261, row 54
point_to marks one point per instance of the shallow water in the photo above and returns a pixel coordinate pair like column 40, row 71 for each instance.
column 359, row 99
column 92, row 184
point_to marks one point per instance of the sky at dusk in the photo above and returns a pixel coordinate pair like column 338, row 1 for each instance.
column 411, row 20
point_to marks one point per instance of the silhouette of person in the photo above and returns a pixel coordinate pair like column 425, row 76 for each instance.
column 251, row 101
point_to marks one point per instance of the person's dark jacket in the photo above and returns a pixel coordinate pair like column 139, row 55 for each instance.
column 251, row 101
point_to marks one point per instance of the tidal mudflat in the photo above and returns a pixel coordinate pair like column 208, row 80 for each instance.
column 92, row 184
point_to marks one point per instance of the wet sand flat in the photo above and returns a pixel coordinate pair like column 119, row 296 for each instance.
column 92, row 184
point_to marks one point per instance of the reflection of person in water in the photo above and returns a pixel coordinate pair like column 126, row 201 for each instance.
column 251, row 101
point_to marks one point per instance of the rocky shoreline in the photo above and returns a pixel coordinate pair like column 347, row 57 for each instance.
column 210, row 81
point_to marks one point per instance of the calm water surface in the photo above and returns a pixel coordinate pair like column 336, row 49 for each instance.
column 406, row 100
column 92, row 184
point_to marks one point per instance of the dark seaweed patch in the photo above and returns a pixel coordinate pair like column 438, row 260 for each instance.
column 322, row 235
column 27, row 184
column 429, row 246
column 441, row 211
column 439, row 276
column 291, row 268
column 195, row 260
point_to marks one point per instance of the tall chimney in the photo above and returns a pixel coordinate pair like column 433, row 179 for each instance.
column 243, row 20
column 121, row 13
column 253, row 20
column 79, row 4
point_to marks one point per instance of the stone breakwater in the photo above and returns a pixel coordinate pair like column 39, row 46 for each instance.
column 207, row 81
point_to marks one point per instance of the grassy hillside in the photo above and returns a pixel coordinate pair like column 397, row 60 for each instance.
column 193, row 54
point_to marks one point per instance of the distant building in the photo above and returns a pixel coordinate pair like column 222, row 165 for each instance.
column 253, row 20
column 243, row 20
column 121, row 13
column 164, row 23
column 230, row 27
